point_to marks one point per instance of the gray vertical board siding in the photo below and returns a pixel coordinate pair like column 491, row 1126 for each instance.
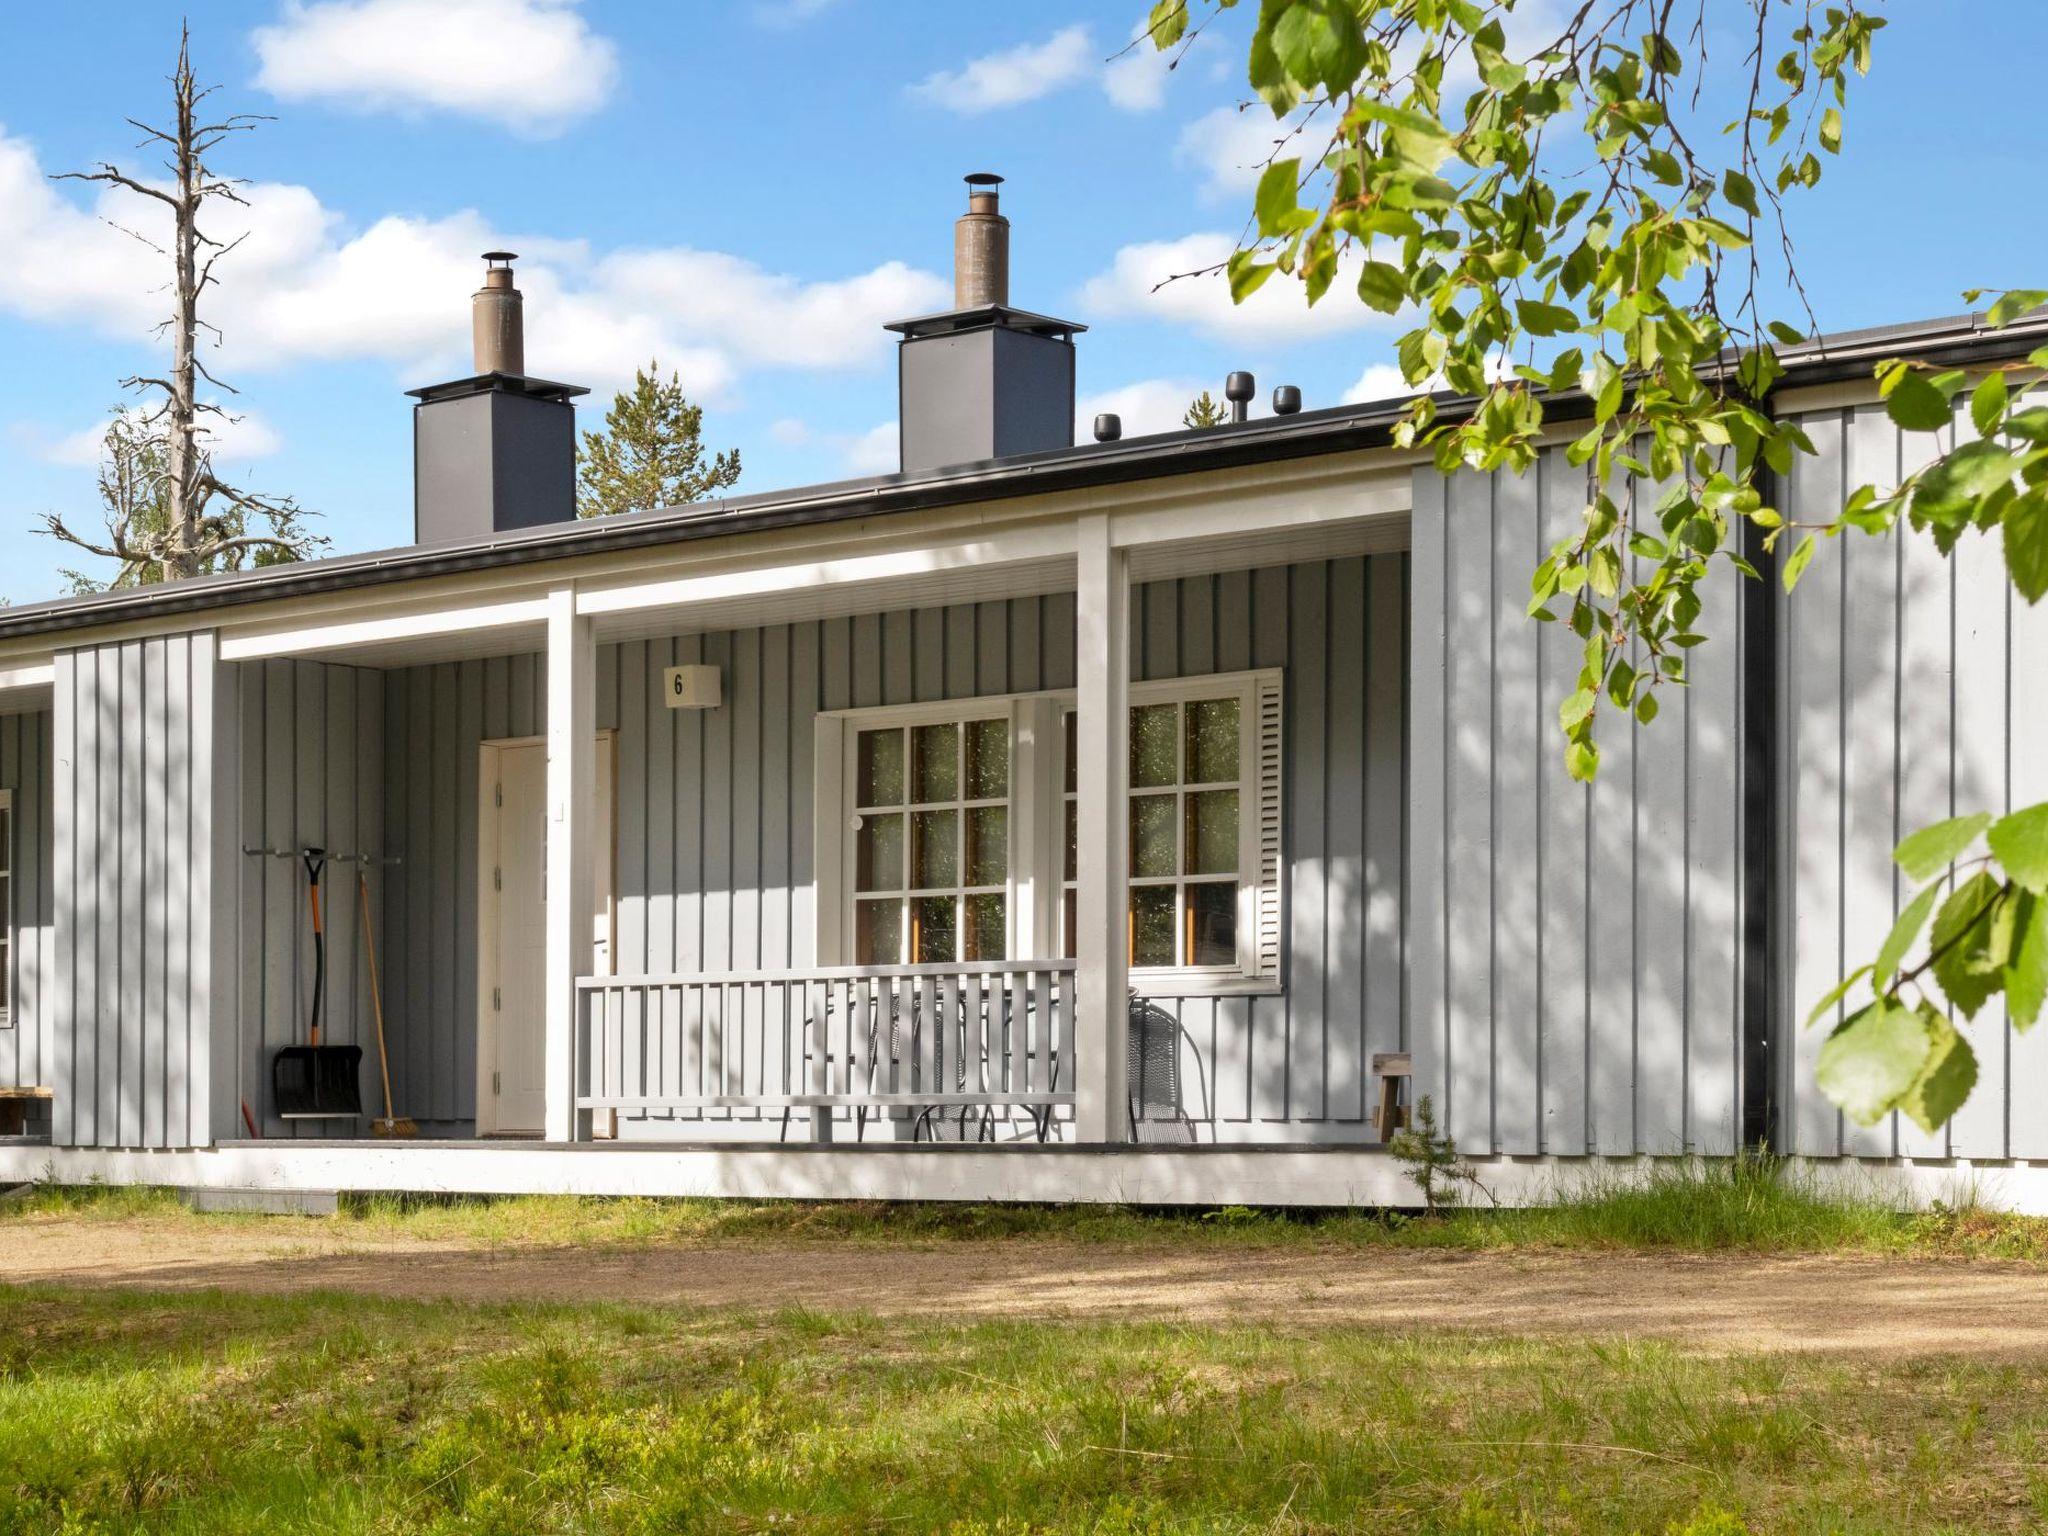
column 1573, row 952
column 306, row 770
column 1906, row 679
column 716, row 823
column 27, row 1039
column 125, row 1000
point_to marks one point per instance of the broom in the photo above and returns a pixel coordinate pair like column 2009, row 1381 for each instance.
column 390, row 1124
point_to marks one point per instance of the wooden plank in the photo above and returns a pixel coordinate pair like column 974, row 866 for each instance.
column 1197, row 637
column 1156, row 647
column 805, row 688
column 1056, row 640
column 452, row 1091
column 1663, row 812
column 689, row 821
column 992, row 647
column 1524, row 733
column 642, row 721
column 1308, row 866
column 747, row 709
column 1812, row 646
column 1714, row 870
column 717, row 830
column 782, row 782
column 1348, row 893
column 1026, row 642
column 927, row 653
column 2027, row 768
column 1383, row 754
column 162, row 1054
column 962, row 635
column 1615, row 955
column 1870, row 704
column 1428, row 836
column 128, row 1031
column 418, row 793
column 1561, row 851
column 1467, row 1109
column 1982, row 1127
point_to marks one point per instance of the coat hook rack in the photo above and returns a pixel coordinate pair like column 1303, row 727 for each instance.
column 329, row 855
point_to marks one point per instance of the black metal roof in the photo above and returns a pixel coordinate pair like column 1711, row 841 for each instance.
column 1847, row 355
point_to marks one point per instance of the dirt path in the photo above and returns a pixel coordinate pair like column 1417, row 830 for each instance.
column 1714, row 1304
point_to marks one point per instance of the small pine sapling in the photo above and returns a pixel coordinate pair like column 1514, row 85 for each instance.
column 1433, row 1160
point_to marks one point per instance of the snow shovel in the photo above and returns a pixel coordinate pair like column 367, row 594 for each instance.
column 315, row 1081
column 391, row 1124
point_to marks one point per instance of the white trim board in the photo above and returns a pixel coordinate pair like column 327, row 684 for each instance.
column 1209, row 1176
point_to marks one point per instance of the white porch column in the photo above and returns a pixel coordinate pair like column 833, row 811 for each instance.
column 1101, row 726
column 572, row 791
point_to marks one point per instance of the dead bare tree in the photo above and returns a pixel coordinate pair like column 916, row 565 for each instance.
column 190, row 522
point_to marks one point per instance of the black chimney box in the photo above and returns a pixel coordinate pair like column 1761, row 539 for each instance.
column 491, row 454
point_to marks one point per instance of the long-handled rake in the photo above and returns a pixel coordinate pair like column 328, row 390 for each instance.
column 390, row 1124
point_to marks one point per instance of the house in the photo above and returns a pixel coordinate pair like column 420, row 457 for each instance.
column 811, row 843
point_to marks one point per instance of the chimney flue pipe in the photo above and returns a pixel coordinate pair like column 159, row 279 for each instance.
column 497, row 327
column 981, row 248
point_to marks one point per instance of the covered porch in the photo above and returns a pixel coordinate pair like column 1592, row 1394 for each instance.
column 884, row 890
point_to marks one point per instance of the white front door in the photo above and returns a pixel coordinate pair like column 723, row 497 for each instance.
column 512, row 1043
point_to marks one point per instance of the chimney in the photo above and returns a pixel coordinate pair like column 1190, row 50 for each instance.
column 496, row 451
column 497, row 321
column 983, row 381
column 981, row 247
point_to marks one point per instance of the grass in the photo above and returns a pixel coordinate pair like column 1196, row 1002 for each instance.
column 1689, row 1207
column 200, row 1413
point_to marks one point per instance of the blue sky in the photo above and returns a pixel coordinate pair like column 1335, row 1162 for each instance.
column 748, row 190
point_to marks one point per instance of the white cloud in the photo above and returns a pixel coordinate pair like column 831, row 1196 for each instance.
column 1381, row 381
column 529, row 65
column 1276, row 312
column 1229, row 147
column 1013, row 76
column 234, row 438
column 306, row 287
column 789, row 431
column 873, row 452
column 1136, row 79
column 1150, row 405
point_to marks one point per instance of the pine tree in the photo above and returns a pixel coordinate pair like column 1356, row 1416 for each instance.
column 651, row 452
column 1205, row 410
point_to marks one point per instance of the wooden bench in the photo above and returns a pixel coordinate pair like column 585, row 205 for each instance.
column 14, row 1103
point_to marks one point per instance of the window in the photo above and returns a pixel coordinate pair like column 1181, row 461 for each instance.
column 947, row 831
column 1204, row 826
column 931, row 865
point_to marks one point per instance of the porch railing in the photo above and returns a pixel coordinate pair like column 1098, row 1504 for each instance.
column 913, row 1037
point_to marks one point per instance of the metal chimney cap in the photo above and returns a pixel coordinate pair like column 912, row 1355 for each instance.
column 1286, row 399
column 983, row 179
column 508, row 257
column 1108, row 427
column 1240, row 386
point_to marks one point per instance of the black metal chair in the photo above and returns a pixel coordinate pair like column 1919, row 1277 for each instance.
column 1158, row 1109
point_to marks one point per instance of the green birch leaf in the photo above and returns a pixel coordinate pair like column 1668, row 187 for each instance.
column 1797, row 562
column 1839, row 991
column 1380, row 285
column 2020, row 843
column 2024, row 529
column 2014, row 303
column 1932, row 849
column 1915, row 404
column 1946, row 1079
column 2026, row 979
column 1872, row 1060
column 1987, row 404
column 1962, row 940
column 1903, row 933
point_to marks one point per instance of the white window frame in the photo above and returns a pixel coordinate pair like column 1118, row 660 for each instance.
column 1038, row 799
column 960, row 712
